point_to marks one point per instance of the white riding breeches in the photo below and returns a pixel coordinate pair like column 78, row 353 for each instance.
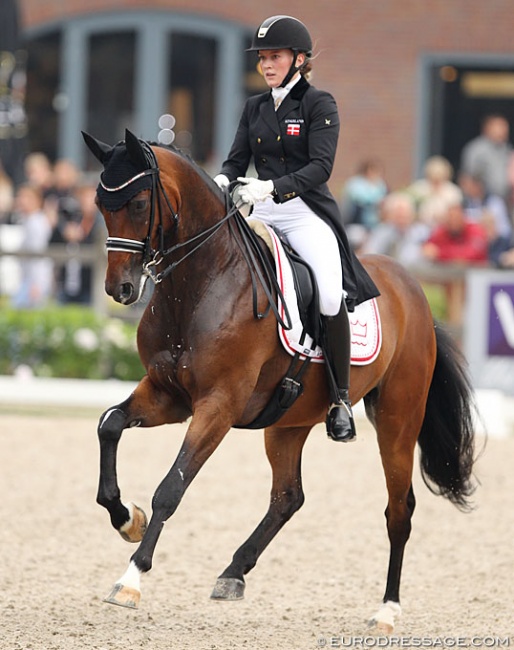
column 314, row 241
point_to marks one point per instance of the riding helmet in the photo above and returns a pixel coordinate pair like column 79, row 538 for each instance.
column 282, row 33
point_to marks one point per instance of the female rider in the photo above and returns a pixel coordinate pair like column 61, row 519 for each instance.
column 291, row 133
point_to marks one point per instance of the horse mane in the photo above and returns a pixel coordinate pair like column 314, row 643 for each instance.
column 190, row 160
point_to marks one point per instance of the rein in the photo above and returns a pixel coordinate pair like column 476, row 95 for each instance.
column 248, row 243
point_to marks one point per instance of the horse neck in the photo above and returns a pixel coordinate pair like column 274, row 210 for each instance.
column 203, row 258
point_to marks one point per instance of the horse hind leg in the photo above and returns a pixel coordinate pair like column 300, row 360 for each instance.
column 284, row 450
column 397, row 435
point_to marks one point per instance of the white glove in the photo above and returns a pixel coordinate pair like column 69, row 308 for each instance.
column 221, row 181
column 254, row 190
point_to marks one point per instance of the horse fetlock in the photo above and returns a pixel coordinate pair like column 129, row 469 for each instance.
column 134, row 528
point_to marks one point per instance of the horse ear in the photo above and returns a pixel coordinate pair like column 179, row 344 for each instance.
column 135, row 150
column 100, row 150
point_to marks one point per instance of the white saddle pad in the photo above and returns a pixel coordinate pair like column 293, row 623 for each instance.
column 365, row 324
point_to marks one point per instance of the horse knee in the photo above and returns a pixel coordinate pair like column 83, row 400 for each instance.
column 111, row 424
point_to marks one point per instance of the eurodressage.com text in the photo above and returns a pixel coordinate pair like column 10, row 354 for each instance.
column 415, row 642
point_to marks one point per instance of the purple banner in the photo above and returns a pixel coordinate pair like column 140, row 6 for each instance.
column 500, row 340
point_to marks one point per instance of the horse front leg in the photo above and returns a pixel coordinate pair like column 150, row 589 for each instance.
column 148, row 406
column 206, row 430
column 284, row 452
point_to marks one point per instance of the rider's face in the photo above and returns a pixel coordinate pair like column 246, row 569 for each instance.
column 275, row 65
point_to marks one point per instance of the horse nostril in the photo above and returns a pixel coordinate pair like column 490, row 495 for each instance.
column 126, row 292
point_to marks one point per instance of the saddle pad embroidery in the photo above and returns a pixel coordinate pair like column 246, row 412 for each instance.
column 365, row 325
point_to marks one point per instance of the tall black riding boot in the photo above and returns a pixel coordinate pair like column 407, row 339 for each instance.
column 337, row 343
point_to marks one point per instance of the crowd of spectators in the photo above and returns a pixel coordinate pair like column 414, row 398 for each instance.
column 446, row 222
column 54, row 204
column 449, row 216
column 458, row 216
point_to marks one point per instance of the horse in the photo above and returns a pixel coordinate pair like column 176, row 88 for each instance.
column 172, row 224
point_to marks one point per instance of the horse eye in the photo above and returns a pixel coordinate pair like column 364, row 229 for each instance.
column 139, row 205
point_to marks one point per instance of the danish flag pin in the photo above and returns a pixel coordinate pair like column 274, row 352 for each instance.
column 293, row 129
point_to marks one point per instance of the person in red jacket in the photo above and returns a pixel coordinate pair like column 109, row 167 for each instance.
column 457, row 239
column 460, row 241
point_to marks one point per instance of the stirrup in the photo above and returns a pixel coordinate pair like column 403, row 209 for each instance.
column 340, row 423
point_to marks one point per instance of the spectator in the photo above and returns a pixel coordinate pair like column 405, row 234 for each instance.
column 478, row 203
column 73, row 279
column 435, row 191
column 361, row 198
column 488, row 156
column 398, row 235
column 6, row 197
column 498, row 244
column 38, row 172
column 457, row 239
column 460, row 241
column 36, row 281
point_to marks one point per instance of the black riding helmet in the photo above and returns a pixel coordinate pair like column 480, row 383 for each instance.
column 283, row 33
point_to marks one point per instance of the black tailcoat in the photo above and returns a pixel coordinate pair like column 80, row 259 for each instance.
column 295, row 147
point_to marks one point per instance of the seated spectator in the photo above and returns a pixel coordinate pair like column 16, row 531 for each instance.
column 38, row 171
column 457, row 239
column 36, row 283
column 435, row 191
column 460, row 241
column 497, row 244
column 480, row 204
column 398, row 235
column 361, row 198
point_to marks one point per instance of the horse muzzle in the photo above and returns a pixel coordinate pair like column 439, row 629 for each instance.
column 128, row 292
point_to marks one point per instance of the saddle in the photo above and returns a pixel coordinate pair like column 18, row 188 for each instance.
column 291, row 387
column 306, row 289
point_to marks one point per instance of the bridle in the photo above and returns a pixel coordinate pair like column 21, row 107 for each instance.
column 152, row 258
column 248, row 243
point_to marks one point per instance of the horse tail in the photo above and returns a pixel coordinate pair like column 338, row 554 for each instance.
column 446, row 439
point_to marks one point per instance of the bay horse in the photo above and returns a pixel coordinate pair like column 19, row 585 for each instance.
column 208, row 358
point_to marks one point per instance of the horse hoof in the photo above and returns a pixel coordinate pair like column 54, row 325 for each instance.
column 383, row 621
column 228, row 589
column 124, row 596
column 380, row 627
column 135, row 528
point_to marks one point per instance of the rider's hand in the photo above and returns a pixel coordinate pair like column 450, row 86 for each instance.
column 221, row 181
column 253, row 190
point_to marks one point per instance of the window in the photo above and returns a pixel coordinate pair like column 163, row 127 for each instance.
column 110, row 85
column 191, row 92
column 43, row 99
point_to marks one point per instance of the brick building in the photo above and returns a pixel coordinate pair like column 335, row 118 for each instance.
column 411, row 77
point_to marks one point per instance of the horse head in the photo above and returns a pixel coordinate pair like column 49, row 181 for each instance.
column 131, row 198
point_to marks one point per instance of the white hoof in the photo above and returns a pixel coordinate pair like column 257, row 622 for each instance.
column 384, row 619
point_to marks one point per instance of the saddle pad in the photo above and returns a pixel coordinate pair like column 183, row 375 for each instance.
column 365, row 323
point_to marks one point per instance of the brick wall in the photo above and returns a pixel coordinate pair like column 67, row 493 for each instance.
column 368, row 54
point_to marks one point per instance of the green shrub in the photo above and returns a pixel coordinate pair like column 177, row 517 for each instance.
column 68, row 341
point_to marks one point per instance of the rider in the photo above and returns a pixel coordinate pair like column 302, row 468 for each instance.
column 292, row 134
